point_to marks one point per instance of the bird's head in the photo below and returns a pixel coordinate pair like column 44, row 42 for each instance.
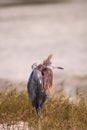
column 34, row 66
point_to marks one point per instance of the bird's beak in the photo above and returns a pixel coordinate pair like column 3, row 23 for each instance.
column 60, row 68
column 55, row 67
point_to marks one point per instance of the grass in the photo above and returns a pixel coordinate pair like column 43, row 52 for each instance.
column 58, row 113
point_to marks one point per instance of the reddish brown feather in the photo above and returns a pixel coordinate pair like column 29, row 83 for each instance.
column 48, row 60
column 47, row 73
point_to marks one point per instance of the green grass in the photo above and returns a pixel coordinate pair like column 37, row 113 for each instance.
column 58, row 113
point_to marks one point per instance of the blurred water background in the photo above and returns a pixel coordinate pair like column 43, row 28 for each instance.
column 30, row 31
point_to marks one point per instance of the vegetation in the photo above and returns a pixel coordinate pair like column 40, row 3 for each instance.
column 58, row 113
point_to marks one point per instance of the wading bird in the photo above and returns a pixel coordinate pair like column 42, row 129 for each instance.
column 39, row 83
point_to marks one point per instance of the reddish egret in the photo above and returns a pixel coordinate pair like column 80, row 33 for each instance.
column 41, row 79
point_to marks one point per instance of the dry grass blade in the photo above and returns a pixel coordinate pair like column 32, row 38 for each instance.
column 57, row 114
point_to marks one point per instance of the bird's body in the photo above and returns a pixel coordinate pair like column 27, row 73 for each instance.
column 35, row 90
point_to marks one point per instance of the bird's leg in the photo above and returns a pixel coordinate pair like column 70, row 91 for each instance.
column 39, row 110
column 37, row 106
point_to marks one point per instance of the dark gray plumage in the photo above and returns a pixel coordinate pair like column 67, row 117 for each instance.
column 35, row 90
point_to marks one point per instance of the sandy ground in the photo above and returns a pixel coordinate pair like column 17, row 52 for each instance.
column 19, row 126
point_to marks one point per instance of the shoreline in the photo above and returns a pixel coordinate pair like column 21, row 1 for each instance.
column 70, row 86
